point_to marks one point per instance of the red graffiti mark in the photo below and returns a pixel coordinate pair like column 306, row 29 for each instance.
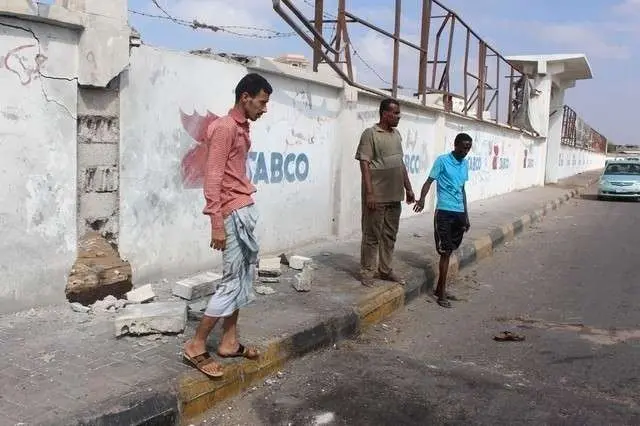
column 496, row 152
column 27, row 74
column 194, row 162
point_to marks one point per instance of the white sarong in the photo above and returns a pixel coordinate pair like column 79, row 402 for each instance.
column 239, row 259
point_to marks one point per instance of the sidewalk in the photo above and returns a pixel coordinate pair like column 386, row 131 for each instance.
column 65, row 368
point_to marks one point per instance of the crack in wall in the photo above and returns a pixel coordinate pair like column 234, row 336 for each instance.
column 42, row 75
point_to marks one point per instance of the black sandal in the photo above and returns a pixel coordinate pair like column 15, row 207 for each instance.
column 251, row 353
column 444, row 302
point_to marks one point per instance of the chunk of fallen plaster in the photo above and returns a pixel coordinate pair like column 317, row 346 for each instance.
column 141, row 294
column 298, row 262
column 304, row 279
column 263, row 289
column 152, row 318
column 79, row 307
column 269, row 267
column 198, row 286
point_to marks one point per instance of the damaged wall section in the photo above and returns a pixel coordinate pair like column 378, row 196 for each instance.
column 98, row 157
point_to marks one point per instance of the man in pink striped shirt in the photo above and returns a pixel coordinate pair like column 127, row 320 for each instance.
column 228, row 194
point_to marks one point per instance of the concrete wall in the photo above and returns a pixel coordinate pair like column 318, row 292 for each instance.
column 572, row 161
column 37, row 161
column 302, row 158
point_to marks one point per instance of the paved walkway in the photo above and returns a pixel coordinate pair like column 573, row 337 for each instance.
column 63, row 367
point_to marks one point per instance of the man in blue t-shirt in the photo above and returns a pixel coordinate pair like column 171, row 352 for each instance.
column 451, row 219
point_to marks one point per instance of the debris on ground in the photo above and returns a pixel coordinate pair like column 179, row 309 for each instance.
column 197, row 286
column 141, row 294
column 79, row 307
column 152, row 318
column 97, row 272
column 108, row 304
column 508, row 336
column 269, row 267
column 304, row 279
column 298, row 262
column 264, row 290
column 270, row 280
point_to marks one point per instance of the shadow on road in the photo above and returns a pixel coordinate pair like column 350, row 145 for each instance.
column 594, row 197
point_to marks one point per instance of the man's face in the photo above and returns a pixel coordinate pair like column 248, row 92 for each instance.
column 255, row 106
column 392, row 115
column 461, row 149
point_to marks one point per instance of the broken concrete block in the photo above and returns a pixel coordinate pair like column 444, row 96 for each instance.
column 79, row 307
column 201, row 285
column 105, row 304
column 264, row 290
column 152, row 318
column 97, row 272
column 269, row 267
column 298, row 262
column 304, row 279
column 269, row 280
column 141, row 294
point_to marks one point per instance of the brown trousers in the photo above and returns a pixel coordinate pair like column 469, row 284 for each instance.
column 379, row 231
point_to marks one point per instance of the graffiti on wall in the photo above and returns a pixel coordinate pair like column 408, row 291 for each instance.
column 24, row 61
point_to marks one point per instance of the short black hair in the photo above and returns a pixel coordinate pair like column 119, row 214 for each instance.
column 386, row 103
column 462, row 137
column 252, row 84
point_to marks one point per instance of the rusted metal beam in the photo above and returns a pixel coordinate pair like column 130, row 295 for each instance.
column 482, row 72
column 317, row 45
column 435, row 55
column 340, row 29
column 466, row 70
column 424, row 45
column 510, row 106
column 396, row 49
column 498, row 89
column 380, row 30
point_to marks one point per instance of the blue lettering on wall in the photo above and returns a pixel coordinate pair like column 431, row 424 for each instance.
column 412, row 163
column 475, row 163
column 279, row 168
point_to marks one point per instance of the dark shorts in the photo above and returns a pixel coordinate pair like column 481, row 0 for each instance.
column 448, row 230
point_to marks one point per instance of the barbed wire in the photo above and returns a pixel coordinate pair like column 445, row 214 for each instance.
column 237, row 30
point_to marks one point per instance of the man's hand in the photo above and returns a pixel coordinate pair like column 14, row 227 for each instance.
column 218, row 239
column 419, row 205
column 411, row 198
column 370, row 201
column 467, row 225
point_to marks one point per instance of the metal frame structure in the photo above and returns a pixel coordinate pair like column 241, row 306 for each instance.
column 480, row 94
column 578, row 134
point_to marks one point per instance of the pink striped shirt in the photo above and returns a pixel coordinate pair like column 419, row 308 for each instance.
column 226, row 184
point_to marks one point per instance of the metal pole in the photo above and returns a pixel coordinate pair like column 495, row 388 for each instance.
column 482, row 74
column 396, row 49
column 317, row 44
column 424, row 45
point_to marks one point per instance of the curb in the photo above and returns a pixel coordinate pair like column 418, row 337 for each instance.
column 194, row 394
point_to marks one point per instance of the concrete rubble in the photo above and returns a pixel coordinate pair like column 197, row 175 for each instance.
column 152, row 318
column 97, row 272
column 264, row 290
column 108, row 304
column 298, row 262
column 269, row 267
column 304, row 279
column 198, row 286
column 141, row 294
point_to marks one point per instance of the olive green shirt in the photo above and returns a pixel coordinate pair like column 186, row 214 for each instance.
column 383, row 151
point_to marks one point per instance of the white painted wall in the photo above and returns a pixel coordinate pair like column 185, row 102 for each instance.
column 292, row 161
column 572, row 161
column 37, row 162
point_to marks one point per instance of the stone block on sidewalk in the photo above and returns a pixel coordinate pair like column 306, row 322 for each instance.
column 141, row 294
column 299, row 262
column 304, row 280
column 152, row 318
column 269, row 267
column 97, row 272
column 196, row 287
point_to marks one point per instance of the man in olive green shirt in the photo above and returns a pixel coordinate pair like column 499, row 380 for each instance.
column 385, row 184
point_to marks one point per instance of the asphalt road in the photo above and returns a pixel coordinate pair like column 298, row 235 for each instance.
column 570, row 285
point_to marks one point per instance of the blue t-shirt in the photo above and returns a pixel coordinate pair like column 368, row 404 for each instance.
column 450, row 175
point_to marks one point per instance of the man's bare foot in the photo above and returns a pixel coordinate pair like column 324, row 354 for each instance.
column 393, row 277
column 196, row 354
column 367, row 281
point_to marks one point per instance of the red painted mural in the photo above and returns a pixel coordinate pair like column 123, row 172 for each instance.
column 194, row 161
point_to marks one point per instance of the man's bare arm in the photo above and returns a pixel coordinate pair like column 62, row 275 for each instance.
column 368, row 184
column 423, row 195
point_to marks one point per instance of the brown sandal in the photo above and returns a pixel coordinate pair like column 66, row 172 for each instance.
column 251, row 353
column 201, row 361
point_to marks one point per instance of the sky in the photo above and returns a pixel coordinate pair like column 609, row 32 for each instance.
column 607, row 31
